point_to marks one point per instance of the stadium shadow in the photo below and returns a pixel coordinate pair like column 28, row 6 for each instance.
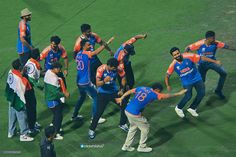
column 213, row 101
column 104, row 129
column 74, row 125
column 166, row 133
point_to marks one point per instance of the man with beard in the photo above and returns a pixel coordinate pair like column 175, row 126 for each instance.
column 184, row 66
column 108, row 92
column 24, row 43
column 93, row 38
column 53, row 53
column 86, row 87
column 207, row 47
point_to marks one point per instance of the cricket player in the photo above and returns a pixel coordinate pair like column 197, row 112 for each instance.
column 142, row 97
column 53, row 53
column 207, row 47
column 107, row 92
column 93, row 38
column 184, row 66
column 122, row 55
column 24, row 43
column 84, row 83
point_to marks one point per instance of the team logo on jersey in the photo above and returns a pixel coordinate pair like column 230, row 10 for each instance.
column 10, row 78
column 30, row 68
column 178, row 67
column 203, row 49
column 185, row 70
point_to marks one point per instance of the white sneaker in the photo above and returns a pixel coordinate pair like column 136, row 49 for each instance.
column 58, row 137
column 100, row 121
column 124, row 127
column 25, row 138
column 50, row 124
column 144, row 149
column 192, row 112
column 91, row 134
column 10, row 135
column 37, row 125
column 127, row 148
column 179, row 112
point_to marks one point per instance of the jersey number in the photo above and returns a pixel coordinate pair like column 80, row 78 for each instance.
column 80, row 65
column 141, row 96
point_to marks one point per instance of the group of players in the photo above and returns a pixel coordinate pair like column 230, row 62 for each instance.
column 98, row 80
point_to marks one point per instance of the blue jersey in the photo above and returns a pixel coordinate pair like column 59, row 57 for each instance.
column 93, row 38
column 23, row 31
column 143, row 96
column 206, row 50
column 83, row 67
column 52, row 56
column 186, row 69
column 121, row 55
column 108, row 87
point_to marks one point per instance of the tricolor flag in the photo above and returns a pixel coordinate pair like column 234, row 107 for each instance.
column 52, row 86
column 33, row 70
column 15, row 89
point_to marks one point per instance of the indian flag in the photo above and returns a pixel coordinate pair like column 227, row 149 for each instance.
column 52, row 86
column 15, row 89
column 33, row 70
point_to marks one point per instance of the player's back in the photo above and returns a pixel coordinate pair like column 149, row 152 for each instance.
column 83, row 67
column 142, row 97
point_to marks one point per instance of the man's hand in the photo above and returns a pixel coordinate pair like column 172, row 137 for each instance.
column 67, row 94
column 183, row 91
column 168, row 88
column 110, row 40
column 65, row 72
column 120, row 93
column 31, row 48
column 218, row 62
column 111, row 53
column 144, row 36
column 119, row 101
column 107, row 79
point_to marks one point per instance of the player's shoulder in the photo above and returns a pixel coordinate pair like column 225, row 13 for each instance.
column 80, row 38
column 173, row 62
column 61, row 47
column 187, row 55
column 218, row 42
column 102, row 67
column 200, row 42
column 94, row 34
column 46, row 49
column 22, row 24
column 88, row 53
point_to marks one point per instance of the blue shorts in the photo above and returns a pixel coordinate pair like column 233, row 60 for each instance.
column 53, row 103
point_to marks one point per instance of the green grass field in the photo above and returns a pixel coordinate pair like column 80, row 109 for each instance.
column 167, row 23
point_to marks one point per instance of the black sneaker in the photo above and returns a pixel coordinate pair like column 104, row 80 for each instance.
column 33, row 132
column 37, row 125
column 79, row 117
column 220, row 94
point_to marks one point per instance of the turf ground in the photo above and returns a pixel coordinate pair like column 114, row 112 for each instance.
column 167, row 23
